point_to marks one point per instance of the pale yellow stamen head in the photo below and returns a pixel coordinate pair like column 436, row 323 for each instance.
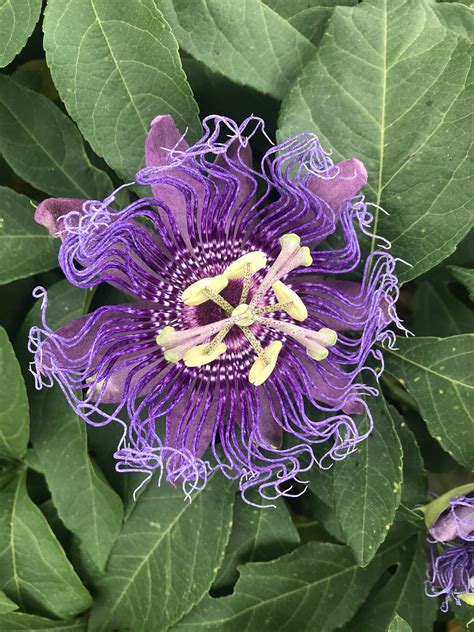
column 195, row 294
column 290, row 240
column 262, row 370
column 243, row 315
column 254, row 260
column 293, row 305
column 305, row 256
column 327, row 336
column 164, row 337
column 317, row 352
column 200, row 355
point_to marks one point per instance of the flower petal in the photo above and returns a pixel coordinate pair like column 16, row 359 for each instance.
column 50, row 211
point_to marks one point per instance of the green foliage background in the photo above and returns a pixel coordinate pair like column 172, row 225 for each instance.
column 387, row 81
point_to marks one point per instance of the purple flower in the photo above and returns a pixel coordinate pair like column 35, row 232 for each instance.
column 457, row 521
column 240, row 317
column 452, row 574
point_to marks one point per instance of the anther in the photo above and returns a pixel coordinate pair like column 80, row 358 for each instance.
column 199, row 355
column 294, row 306
column 261, row 370
column 252, row 261
column 204, row 290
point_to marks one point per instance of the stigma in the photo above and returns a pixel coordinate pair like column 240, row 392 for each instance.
column 199, row 346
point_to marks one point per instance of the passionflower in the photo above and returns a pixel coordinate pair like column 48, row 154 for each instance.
column 240, row 322
column 450, row 523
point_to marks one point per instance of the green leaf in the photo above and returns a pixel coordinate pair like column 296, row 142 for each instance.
column 438, row 373
column 25, row 247
column 258, row 534
column 391, row 90
column 44, row 147
column 456, row 17
column 397, row 624
column 116, row 67
column 466, row 277
column 403, row 593
column 87, row 505
column 367, row 486
column 310, row 18
column 6, row 605
column 166, row 557
column 21, row 622
column 437, row 312
column 264, row 52
column 317, row 587
column 14, row 414
column 34, row 570
column 17, row 21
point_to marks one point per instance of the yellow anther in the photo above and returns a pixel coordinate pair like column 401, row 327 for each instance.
column 195, row 293
column 328, row 336
column 199, row 355
column 293, row 305
column 260, row 370
column 290, row 240
column 305, row 255
column 243, row 315
column 317, row 352
column 164, row 337
column 256, row 260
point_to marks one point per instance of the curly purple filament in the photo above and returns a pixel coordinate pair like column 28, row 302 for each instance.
column 209, row 206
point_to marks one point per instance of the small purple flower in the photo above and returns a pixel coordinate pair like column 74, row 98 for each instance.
column 457, row 521
column 240, row 317
column 452, row 574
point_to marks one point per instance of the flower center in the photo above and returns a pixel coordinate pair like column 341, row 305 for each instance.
column 199, row 346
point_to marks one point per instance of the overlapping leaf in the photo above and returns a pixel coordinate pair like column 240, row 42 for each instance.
column 116, row 67
column 21, row 622
column 438, row 373
column 389, row 85
column 466, row 277
column 25, row 247
column 14, row 414
column 246, row 41
column 17, row 20
column 34, row 570
column 43, row 146
column 397, row 624
column 166, row 557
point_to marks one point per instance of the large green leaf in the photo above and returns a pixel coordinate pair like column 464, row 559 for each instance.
column 456, row 16
column 246, row 41
column 17, row 21
column 403, row 593
column 309, row 17
column 14, row 414
column 317, row 587
column 25, row 247
column 367, row 486
column 44, row 147
column 388, row 85
column 258, row 534
column 438, row 373
column 166, row 557
column 466, row 277
column 34, row 570
column 87, row 505
column 21, row 622
column 116, row 67
column 437, row 312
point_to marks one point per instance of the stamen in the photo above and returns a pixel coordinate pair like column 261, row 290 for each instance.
column 292, row 256
column 204, row 289
column 243, row 315
column 315, row 342
column 255, row 260
column 294, row 305
column 176, row 343
column 217, row 298
column 199, row 356
column 212, row 346
column 261, row 370
column 257, row 347
column 246, row 284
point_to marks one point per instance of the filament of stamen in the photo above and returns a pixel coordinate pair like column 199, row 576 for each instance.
column 218, row 299
column 257, row 347
column 246, row 284
column 218, row 339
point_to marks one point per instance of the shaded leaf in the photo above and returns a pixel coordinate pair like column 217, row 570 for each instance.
column 19, row 621
column 116, row 67
column 87, row 505
column 166, row 557
column 437, row 312
column 6, row 605
column 17, row 21
column 388, row 85
column 438, row 373
column 367, row 486
column 265, row 52
column 466, row 277
column 14, row 414
column 258, row 534
column 34, row 570
column 317, row 587
column 25, row 247
column 44, row 147
column 403, row 593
